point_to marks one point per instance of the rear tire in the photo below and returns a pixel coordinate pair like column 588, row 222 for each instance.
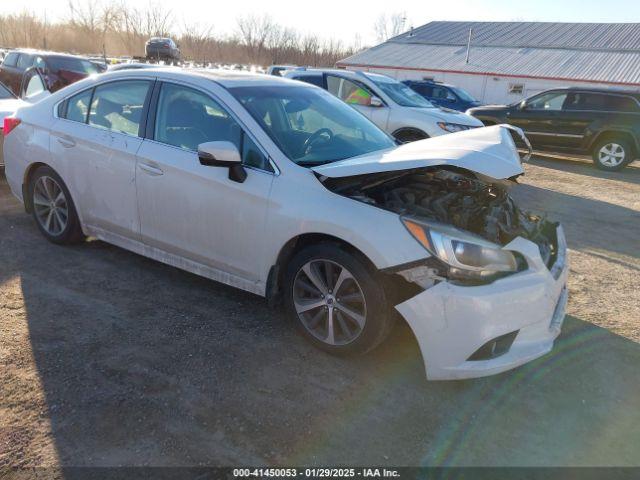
column 335, row 300
column 612, row 153
column 53, row 209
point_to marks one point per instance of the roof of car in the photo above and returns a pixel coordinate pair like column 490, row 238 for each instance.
column 226, row 78
column 604, row 90
column 430, row 82
column 45, row 53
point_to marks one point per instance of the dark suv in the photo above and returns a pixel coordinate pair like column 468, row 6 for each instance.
column 57, row 70
column 604, row 123
column 443, row 95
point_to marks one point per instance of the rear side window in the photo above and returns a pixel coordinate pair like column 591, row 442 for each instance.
column 11, row 60
column 118, row 106
column 601, row 102
column 25, row 61
column 622, row 104
column 78, row 107
column 72, row 64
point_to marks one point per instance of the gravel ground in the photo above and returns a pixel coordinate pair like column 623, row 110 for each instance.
column 107, row 358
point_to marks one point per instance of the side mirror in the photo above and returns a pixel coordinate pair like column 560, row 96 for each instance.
column 223, row 154
column 376, row 102
column 523, row 105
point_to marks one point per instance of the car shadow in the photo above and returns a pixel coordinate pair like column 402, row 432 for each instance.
column 630, row 174
column 588, row 224
column 143, row 364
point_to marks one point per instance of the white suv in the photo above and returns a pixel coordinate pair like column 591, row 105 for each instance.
column 391, row 105
column 281, row 189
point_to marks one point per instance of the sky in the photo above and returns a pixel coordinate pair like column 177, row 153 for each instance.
column 345, row 20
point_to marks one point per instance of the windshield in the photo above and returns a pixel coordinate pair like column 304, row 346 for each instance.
column 463, row 94
column 399, row 92
column 311, row 126
column 71, row 64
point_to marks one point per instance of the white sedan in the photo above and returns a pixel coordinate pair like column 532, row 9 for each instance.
column 281, row 189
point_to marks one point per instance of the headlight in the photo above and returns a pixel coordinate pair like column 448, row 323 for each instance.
column 467, row 255
column 453, row 127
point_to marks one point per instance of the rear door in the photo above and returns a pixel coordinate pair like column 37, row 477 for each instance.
column 97, row 139
column 571, row 124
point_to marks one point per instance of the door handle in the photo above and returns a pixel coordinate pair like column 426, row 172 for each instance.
column 66, row 142
column 151, row 170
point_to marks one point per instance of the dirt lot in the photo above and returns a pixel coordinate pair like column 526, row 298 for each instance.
column 107, row 358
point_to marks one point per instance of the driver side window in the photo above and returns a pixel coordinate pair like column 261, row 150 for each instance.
column 348, row 91
column 186, row 118
column 550, row 101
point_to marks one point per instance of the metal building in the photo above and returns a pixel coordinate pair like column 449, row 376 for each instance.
column 506, row 61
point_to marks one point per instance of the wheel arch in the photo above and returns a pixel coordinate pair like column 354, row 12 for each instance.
column 293, row 246
column 414, row 130
column 605, row 134
column 28, row 175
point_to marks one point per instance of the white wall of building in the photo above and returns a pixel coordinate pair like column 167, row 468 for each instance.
column 486, row 88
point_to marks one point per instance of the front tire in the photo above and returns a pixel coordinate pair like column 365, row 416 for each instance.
column 612, row 153
column 335, row 300
column 53, row 209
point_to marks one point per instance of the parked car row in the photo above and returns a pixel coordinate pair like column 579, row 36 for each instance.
column 601, row 122
column 57, row 70
column 280, row 188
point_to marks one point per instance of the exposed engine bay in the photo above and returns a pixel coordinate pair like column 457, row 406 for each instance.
column 456, row 197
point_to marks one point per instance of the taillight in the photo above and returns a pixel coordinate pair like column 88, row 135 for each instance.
column 9, row 124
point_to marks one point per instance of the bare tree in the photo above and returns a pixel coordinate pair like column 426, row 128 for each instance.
column 389, row 26
column 281, row 43
column 196, row 42
column 254, row 32
column 122, row 29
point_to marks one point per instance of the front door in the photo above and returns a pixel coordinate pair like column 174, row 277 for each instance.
column 359, row 97
column 196, row 211
column 538, row 118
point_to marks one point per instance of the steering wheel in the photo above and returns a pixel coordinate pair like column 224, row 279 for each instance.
column 315, row 136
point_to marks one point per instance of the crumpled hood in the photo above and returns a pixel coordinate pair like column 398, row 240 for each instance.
column 489, row 151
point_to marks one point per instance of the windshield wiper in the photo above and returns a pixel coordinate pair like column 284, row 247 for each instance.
column 311, row 163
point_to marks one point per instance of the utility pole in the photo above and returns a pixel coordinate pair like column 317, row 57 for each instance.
column 469, row 45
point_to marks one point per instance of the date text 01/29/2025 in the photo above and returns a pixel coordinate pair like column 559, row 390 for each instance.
column 315, row 472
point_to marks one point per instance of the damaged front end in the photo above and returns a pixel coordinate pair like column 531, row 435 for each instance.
column 463, row 219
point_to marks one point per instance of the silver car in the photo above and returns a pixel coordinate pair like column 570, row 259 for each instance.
column 392, row 106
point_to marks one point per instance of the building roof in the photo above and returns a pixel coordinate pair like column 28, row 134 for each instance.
column 608, row 53
column 574, row 36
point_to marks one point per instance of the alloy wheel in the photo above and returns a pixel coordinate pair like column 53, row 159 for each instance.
column 329, row 302
column 50, row 205
column 611, row 155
